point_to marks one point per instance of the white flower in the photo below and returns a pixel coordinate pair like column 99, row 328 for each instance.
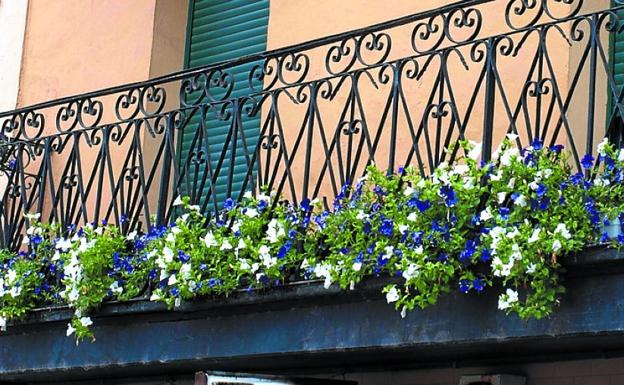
column 115, row 288
column 531, row 268
column 556, row 245
column 247, row 195
column 498, row 176
column 210, row 240
column 275, row 230
column 412, row 217
column 178, row 201
column 86, row 321
column 63, row 244
column 361, row 215
column 172, row 280
column 411, row 271
column 185, row 271
column 475, row 152
column 403, row 228
column 3, row 324
column 241, row 244
column 11, row 276
column 155, row 296
column 226, row 245
column 15, row 291
column 167, row 254
column 501, row 197
column 520, row 200
column 409, row 191
column 357, row 266
column 535, row 236
column 392, row 295
column 506, row 300
column 508, row 156
column 621, row 155
column 602, row 145
column 512, row 137
column 563, row 231
column 31, row 217
column 389, row 250
column 194, row 208
column 131, row 236
column 70, row 330
column 602, row 182
column 485, row 214
column 251, row 213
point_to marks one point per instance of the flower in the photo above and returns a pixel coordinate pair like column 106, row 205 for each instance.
column 448, row 193
column 251, row 213
column 178, row 201
column 587, row 161
column 209, row 240
column 392, row 295
column 386, row 227
column 86, row 321
column 229, row 203
column 505, row 301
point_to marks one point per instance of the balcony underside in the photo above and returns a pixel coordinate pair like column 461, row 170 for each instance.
column 304, row 326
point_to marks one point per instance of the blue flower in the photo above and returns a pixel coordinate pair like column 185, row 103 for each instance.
column 478, row 284
column 557, row 148
column 305, row 205
column 541, row 190
column 577, row 179
column 203, row 267
column 262, row 205
column 486, row 255
column 447, row 192
column 587, row 161
column 504, row 213
column 386, row 227
column 442, row 257
column 464, row 286
column 620, row 239
column 605, row 238
column 183, row 257
column 537, row 144
column 229, row 204
column 468, row 252
column 379, row 190
column 367, row 228
column 175, row 292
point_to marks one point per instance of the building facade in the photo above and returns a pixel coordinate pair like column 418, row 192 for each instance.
column 115, row 108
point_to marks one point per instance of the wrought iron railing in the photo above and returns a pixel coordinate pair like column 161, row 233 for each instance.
column 395, row 93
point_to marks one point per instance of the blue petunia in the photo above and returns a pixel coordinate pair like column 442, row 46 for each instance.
column 448, row 193
column 386, row 227
column 587, row 161
column 464, row 286
column 183, row 257
column 229, row 204
column 541, row 190
column 478, row 284
column 504, row 213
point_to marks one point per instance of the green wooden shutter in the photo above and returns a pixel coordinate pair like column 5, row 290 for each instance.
column 222, row 30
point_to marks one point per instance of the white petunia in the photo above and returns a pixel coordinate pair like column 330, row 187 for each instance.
column 602, row 146
column 63, row 244
column 520, row 200
column 178, row 201
column 501, row 197
column 506, row 300
column 412, row 217
column 409, row 191
column 475, row 152
column 531, row 268
column 392, row 295
column 70, row 330
column 563, row 231
column 534, row 236
column 485, row 214
column 226, row 245
column 251, row 213
column 3, row 324
column 86, row 321
column 556, row 246
column 209, row 240
column 172, row 280
column 411, row 271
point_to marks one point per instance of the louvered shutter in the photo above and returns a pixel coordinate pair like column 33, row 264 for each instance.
column 222, row 30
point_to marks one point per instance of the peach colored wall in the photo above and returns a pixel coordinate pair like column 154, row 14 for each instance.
column 76, row 46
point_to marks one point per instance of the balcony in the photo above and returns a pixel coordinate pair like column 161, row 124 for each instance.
column 304, row 121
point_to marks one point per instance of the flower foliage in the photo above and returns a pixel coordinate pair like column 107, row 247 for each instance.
column 470, row 226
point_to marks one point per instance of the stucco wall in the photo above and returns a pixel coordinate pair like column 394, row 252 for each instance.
column 12, row 26
column 76, row 46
